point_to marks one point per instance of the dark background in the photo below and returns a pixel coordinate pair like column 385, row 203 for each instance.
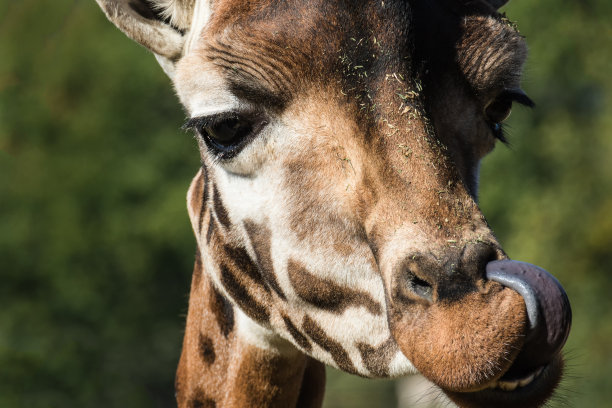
column 96, row 250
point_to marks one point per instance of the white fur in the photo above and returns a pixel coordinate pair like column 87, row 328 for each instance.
column 261, row 337
column 401, row 366
column 202, row 90
column 179, row 12
column 201, row 15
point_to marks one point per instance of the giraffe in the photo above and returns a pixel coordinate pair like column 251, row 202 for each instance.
column 335, row 211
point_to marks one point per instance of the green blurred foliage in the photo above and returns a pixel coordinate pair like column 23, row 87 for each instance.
column 96, row 249
column 95, row 245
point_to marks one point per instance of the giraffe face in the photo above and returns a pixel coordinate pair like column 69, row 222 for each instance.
column 336, row 205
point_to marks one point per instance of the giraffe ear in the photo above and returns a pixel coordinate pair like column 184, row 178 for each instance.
column 153, row 24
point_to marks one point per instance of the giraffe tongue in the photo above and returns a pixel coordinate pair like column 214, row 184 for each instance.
column 548, row 310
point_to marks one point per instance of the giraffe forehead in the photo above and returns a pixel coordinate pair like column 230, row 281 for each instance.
column 271, row 50
column 277, row 47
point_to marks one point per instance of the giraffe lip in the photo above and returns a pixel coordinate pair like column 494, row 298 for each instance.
column 529, row 390
column 511, row 384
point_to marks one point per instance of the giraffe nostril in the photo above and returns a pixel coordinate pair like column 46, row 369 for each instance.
column 420, row 287
column 409, row 286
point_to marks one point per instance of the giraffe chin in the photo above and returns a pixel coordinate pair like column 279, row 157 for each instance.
column 462, row 345
column 531, row 391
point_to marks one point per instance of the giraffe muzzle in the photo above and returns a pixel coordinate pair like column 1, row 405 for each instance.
column 487, row 336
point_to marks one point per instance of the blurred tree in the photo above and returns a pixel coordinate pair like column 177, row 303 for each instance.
column 95, row 245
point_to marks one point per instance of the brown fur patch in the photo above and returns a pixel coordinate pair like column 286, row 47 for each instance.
column 299, row 338
column 200, row 400
column 223, row 311
column 237, row 289
column 334, row 348
column 241, row 260
column 326, row 294
column 203, row 192
column 241, row 279
column 220, row 210
column 377, row 359
column 196, row 203
column 210, row 230
column 207, row 349
column 343, row 249
column 262, row 379
column 201, row 372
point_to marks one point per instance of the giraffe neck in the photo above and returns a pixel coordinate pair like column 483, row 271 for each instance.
column 219, row 366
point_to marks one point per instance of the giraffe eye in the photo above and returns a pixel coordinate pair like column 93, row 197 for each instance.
column 226, row 133
column 498, row 110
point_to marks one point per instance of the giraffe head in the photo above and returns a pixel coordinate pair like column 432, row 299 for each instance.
column 336, row 205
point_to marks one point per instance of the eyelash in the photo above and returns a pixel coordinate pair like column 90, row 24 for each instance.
column 500, row 132
column 227, row 133
column 194, row 124
column 497, row 125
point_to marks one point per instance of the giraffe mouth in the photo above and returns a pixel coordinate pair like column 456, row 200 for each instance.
column 530, row 390
column 508, row 384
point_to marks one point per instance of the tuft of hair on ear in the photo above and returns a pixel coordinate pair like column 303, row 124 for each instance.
column 176, row 13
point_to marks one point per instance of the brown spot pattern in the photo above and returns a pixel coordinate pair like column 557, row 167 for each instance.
column 210, row 230
column 377, row 359
column 202, row 192
column 220, row 209
column 299, row 338
column 207, row 349
column 222, row 310
column 260, row 237
column 335, row 349
column 200, row 400
column 326, row 294
column 241, row 295
column 241, row 279
column 240, row 258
